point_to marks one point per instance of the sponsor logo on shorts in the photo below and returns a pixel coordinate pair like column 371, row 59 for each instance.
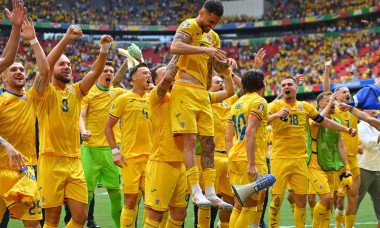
column 158, row 201
column 43, row 198
column 320, row 187
column 183, row 124
column 154, row 190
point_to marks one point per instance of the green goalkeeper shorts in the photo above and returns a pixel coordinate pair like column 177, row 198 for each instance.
column 99, row 169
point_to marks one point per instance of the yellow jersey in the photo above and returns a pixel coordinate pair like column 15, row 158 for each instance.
column 289, row 138
column 165, row 147
column 348, row 120
column 98, row 103
column 221, row 113
column 18, row 119
column 197, row 65
column 249, row 104
column 132, row 110
column 58, row 121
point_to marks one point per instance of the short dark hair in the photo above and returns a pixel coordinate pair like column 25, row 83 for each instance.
column 109, row 63
column 322, row 95
column 154, row 72
column 135, row 68
column 295, row 81
column 338, row 88
column 214, row 6
column 252, row 80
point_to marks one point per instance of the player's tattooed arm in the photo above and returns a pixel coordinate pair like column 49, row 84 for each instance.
column 171, row 71
column 240, row 93
column 208, row 147
column 13, row 154
column 120, row 74
column 42, row 78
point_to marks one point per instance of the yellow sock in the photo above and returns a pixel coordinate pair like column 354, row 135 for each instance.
column 326, row 221
column 319, row 214
column 204, row 217
column 245, row 217
column 224, row 225
column 173, row 223
column 128, row 217
column 293, row 206
column 47, row 225
column 350, row 220
column 300, row 217
column 257, row 214
column 209, row 176
column 164, row 219
column 312, row 212
column 193, row 175
column 72, row 224
column 339, row 215
column 274, row 210
column 234, row 216
column 149, row 223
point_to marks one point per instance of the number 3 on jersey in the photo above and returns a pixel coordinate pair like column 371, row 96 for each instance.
column 64, row 103
column 239, row 129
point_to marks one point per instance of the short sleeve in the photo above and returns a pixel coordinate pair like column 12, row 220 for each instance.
column 119, row 91
column 212, row 96
column 258, row 109
column 186, row 28
column 312, row 111
column 117, row 108
column 231, row 100
column 78, row 90
column 84, row 103
column 153, row 97
column 33, row 95
column 273, row 108
column 217, row 40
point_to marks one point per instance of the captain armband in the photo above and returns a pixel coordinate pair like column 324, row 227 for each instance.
column 319, row 118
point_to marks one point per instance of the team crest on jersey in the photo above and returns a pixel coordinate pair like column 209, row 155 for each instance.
column 70, row 89
column 185, row 24
column 300, row 107
column 24, row 98
column 209, row 39
column 158, row 201
column 261, row 107
column 111, row 93
column 225, row 105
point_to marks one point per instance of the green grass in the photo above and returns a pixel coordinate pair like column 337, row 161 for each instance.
column 365, row 217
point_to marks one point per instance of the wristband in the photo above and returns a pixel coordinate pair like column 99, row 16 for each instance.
column 104, row 47
column 115, row 151
column 228, row 76
column 347, row 167
column 33, row 41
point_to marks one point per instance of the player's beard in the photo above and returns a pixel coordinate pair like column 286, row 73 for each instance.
column 63, row 79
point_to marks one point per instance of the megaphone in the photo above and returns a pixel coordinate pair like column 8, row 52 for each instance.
column 243, row 192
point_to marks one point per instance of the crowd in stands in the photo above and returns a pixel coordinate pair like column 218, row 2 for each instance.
column 355, row 55
column 166, row 12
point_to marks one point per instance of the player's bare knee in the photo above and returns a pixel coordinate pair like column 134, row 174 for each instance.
column 178, row 213
column 325, row 199
column 276, row 201
column 155, row 215
column 130, row 200
column 311, row 198
column 32, row 224
column 52, row 215
column 300, row 200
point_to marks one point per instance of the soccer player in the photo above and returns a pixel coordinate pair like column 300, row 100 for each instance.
column 132, row 110
column 288, row 149
column 351, row 145
column 61, row 175
column 97, row 158
column 361, row 115
column 326, row 153
column 190, row 110
column 166, row 157
column 247, row 150
column 19, row 191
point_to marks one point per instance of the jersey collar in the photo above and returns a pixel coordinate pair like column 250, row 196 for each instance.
column 17, row 95
column 102, row 88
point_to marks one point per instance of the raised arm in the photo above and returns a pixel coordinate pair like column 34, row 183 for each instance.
column 222, row 95
column 98, row 66
column 181, row 46
column 171, row 71
column 237, row 80
column 361, row 115
column 42, row 78
column 332, row 125
column 259, row 58
column 326, row 76
column 13, row 154
column 10, row 51
column 72, row 33
column 120, row 74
